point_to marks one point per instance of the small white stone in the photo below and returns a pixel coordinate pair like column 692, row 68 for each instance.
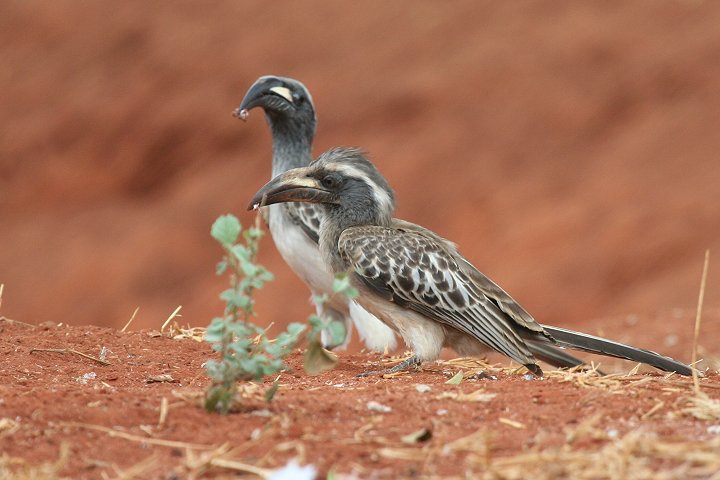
column 714, row 429
column 374, row 406
column 441, row 411
column 293, row 471
column 84, row 379
column 263, row 412
column 422, row 388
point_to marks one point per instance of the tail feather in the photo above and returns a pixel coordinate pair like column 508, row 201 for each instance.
column 592, row 344
column 553, row 355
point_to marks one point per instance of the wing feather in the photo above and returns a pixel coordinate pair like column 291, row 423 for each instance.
column 415, row 268
column 307, row 216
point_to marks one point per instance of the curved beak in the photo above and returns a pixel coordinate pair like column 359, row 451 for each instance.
column 292, row 186
column 266, row 92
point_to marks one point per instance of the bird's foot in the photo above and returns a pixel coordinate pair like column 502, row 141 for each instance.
column 404, row 365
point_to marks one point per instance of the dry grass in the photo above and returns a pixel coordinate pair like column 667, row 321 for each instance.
column 638, row 455
column 19, row 469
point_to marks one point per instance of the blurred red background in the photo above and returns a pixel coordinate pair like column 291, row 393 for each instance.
column 570, row 149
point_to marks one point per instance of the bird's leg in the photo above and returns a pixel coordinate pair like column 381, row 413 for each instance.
column 404, row 365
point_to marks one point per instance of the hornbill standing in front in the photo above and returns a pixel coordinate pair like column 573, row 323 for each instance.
column 295, row 227
column 417, row 282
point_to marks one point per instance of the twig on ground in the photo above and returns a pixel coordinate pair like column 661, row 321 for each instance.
column 69, row 350
column 10, row 320
column 174, row 314
column 136, row 438
column 132, row 317
column 698, row 315
column 164, row 408
column 241, row 467
column 139, row 469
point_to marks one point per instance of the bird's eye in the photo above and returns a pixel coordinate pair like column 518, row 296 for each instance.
column 330, row 181
column 297, row 98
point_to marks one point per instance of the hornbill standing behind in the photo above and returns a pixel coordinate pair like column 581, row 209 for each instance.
column 295, row 227
column 417, row 282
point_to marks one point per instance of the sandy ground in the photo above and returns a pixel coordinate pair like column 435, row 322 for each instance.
column 72, row 417
column 569, row 149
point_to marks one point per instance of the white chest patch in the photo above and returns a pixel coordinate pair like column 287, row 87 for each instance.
column 299, row 251
column 304, row 257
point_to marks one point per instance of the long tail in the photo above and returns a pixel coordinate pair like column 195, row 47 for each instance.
column 553, row 355
column 590, row 343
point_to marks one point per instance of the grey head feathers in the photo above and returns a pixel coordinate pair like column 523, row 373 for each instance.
column 290, row 114
column 365, row 196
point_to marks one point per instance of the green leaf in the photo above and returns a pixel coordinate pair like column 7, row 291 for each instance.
column 337, row 332
column 456, row 379
column 265, row 275
column 215, row 331
column 221, row 267
column 316, row 324
column 216, row 370
column 296, row 328
column 248, row 268
column 226, row 229
column 320, row 300
column 235, row 299
column 318, row 360
column 253, row 233
column 257, row 283
column 241, row 346
column 242, row 330
column 342, row 285
column 241, row 252
column 288, row 339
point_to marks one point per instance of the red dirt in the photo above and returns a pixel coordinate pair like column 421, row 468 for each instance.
column 322, row 420
column 570, row 149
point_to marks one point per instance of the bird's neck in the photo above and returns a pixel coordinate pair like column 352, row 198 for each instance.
column 291, row 145
column 328, row 243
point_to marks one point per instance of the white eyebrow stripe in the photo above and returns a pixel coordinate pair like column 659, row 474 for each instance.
column 283, row 92
column 381, row 196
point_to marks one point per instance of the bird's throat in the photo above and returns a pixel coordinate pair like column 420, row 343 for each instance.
column 291, row 147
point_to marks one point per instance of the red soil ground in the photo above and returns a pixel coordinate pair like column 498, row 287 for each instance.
column 569, row 148
column 111, row 426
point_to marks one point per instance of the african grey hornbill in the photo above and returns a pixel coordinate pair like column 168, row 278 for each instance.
column 417, row 282
column 295, row 227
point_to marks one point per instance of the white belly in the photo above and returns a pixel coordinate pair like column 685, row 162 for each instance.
column 299, row 252
column 303, row 256
column 424, row 336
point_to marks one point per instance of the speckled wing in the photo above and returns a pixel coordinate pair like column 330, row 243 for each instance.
column 306, row 216
column 417, row 269
column 489, row 288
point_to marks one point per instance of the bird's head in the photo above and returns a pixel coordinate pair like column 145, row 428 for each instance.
column 342, row 179
column 284, row 100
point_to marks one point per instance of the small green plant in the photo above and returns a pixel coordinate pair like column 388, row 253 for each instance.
column 245, row 351
column 317, row 359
